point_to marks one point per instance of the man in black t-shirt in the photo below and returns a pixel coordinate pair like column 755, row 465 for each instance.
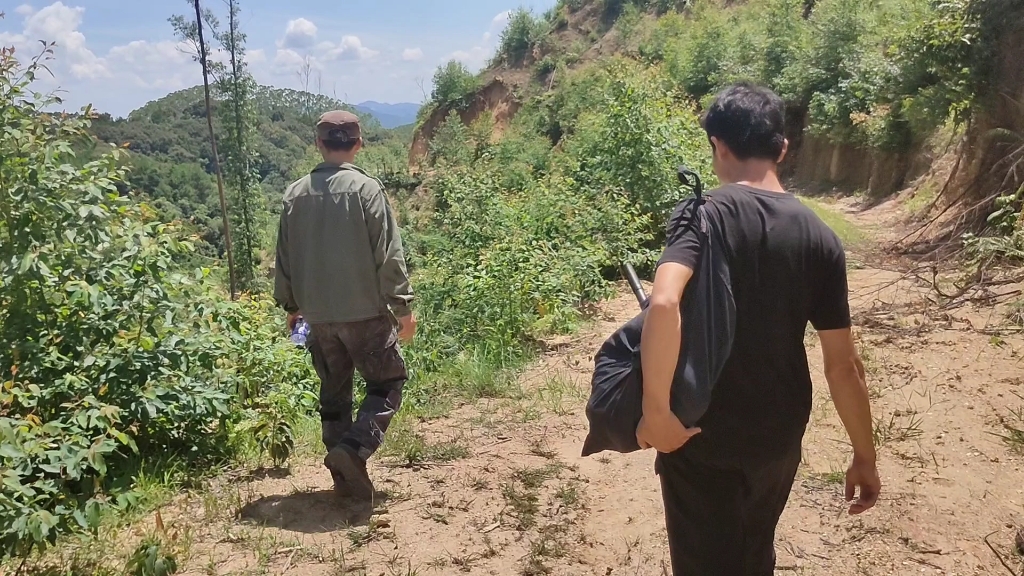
column 726, row 482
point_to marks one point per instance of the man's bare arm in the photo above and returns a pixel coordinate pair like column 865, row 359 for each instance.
column 659, row 353
column 846, row 381
column 662, row 335
column 848, row 386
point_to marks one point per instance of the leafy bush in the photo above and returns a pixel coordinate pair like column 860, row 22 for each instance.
column 504, row 267
column 546, row 66
column 628, row 20
column 571, row 5
column 884, row 74
column 663, row 37
column 523, row 32
column 932, row 65
column 149, row 559
column 776, row 32
column 698, row 58
column 523, row 233
column 450, row 143
column 637, row 138
column 111, row 358
column 454, row 85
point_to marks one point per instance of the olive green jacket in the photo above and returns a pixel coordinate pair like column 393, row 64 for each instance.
column 339, row 250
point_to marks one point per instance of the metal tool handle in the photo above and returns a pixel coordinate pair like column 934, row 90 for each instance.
column 635, row 285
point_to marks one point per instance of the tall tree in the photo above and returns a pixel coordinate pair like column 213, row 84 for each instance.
column 237, row 88
column 192, row 32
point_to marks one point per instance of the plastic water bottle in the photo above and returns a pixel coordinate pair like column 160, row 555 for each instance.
column 300, row 332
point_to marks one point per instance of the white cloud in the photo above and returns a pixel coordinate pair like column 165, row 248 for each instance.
column 350, row 48
column 477, row 56
column 145, row 67
column 122, row 77
column 60, row 23
column 258, row 56
column 300, row 33
column 166, row 65
column 412, row 54
column 498, row 24
column 299, row 47
column 289, row 62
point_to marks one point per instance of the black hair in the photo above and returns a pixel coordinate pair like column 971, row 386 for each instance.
column 340, row 145
column 749, row 119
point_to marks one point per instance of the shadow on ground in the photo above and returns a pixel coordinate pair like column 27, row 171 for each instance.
column 309, row 512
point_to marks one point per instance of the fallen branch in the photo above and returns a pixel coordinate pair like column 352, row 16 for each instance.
column 925, row 563
column 999, row 556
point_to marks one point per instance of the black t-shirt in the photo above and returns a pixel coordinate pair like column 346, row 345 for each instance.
column 788, row 268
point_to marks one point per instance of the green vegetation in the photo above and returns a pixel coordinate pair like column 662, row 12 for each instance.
column 171, row 163
column 249, row 218
column 142, row 354
column 846, row 230
column 123, row 360
column 523, row 32
column 1014, row 429
column 454, row 85
column 883, row 74
column 116, row 361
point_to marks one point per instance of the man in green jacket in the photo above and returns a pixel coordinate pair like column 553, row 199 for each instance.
column 341, row 266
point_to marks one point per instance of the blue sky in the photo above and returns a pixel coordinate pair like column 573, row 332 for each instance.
column 120, row 54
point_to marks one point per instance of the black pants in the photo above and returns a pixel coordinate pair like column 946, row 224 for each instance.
column 721, row 520
column 370, row 346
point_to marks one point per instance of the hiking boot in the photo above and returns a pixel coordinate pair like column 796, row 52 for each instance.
column 340, row 485
column 344, row 461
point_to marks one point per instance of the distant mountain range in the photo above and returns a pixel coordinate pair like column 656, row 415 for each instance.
column 390, row 115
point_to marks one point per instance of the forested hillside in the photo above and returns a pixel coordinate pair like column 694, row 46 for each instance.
column 130, row 371
column 876, row 92
column 173, row 171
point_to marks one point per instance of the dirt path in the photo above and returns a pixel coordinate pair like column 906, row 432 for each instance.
column 516, row 498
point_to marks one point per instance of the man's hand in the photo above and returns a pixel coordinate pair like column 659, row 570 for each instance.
column 663, row 431
column 407, row 328
column 862, row 477
column 293, row 318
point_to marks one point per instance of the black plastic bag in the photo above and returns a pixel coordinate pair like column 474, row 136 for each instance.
column 709, row 323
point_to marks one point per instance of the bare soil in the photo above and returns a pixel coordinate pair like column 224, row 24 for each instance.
column 522, row 500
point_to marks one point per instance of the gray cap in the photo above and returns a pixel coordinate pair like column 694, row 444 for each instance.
column 338, row 126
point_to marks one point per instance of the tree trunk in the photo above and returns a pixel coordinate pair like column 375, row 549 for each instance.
column 216, row 159
column 247, row 274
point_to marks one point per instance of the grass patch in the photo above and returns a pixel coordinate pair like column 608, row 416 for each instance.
column 561, row 396
column 308, row 438
column 1015, row 315
column 523, row 502
column 410, row 448
column 468, row 378
column 375, row 531
column 540, row 448
column 846, row 230
column 540, row 550
column 569, row 495
column 522, row 493
column 922, row 199
column 832, row 478
column 1013, row 427
column 534, row 478
column 107, row 551
column 900, row 427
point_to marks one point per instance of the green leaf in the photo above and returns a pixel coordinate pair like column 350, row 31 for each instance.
column 93, row 513
column 26, row 262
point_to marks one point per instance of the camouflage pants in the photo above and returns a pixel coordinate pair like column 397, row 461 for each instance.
column 370, row 346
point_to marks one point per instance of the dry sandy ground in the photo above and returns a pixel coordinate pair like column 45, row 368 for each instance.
column 518, row 499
